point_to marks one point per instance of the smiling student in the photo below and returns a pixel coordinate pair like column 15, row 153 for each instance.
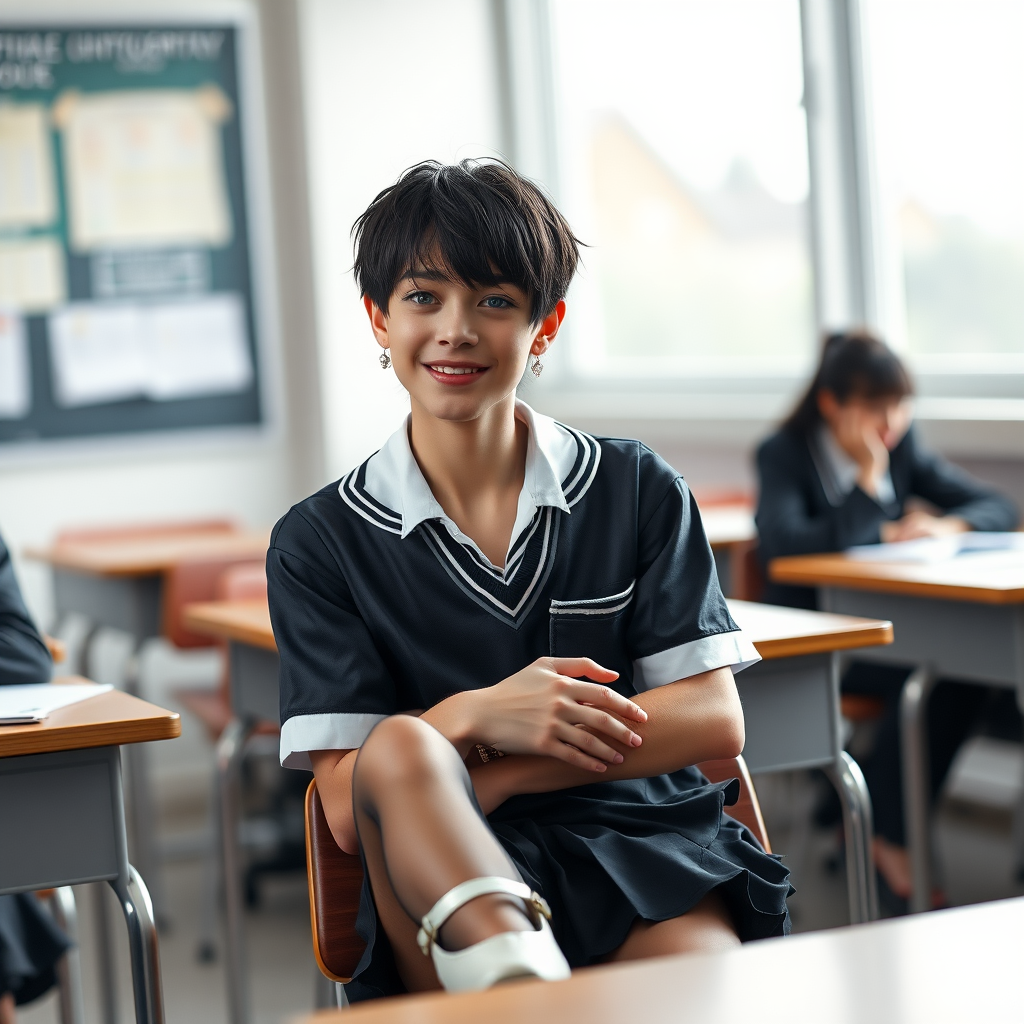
column 503, row 644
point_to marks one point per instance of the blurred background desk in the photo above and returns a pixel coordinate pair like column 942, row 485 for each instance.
column 120, row 578
column 961, row 617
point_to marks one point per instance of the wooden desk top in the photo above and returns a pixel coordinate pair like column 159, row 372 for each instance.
column 786, row 632
column 987, row 577
column 245, row 621
column 106, row 720
column 148, row 556
column 959, row 966
column 728, row 524
column 775, row 632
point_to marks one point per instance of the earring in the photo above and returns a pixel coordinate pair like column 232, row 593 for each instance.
column 537, row 366
column 385, row 360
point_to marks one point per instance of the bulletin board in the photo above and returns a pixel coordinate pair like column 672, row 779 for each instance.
column 126, row 272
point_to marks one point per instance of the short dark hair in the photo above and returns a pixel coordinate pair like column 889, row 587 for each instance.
column 477, row 221
column 854, row 364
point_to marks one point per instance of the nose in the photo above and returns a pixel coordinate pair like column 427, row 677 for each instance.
column 455, row 326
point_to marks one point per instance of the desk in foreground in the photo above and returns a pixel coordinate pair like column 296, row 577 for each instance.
column 959, row 966
column 62, row 811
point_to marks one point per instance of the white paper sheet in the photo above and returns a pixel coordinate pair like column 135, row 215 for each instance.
column 27, row 195
column 32, row 703
column 108, row 352
column 32, row 275
column 15, row 386
column 937, row 549
column 144, row 168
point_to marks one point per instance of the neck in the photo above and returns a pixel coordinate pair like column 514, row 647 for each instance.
column 468, row 462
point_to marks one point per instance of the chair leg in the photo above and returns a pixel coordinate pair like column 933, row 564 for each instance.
column 206, row 949
column 340, row 995
column 69, row 969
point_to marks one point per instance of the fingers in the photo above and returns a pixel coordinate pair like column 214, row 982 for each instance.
column 600, row 721
column 593, row 748
column 603, row 697
column 583, row 667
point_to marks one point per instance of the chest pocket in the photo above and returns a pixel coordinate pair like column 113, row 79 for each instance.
column 593, row 628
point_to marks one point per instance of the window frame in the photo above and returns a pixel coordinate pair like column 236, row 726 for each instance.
column 855, row 263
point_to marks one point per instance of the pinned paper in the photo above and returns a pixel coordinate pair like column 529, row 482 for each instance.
column 145, row 168
column 32, row 275
column 108, row 352
column 15, row 385
column 27, row 195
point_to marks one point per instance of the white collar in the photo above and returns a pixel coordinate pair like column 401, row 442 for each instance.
column 844, row 469
column 394, row 479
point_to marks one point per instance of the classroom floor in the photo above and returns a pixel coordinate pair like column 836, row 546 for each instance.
column 973, row 845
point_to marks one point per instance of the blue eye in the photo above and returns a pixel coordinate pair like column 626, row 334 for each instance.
column 497, row 302
column 420, row 298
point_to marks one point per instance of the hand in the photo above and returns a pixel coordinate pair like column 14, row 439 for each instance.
column 918, row 523
column 858, row 435
column 544, row 710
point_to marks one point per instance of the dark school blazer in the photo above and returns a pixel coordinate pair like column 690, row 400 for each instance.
column 801, row 511
column 23, row 655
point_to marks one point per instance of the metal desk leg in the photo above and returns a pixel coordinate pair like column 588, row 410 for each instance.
column 916, row 792
column 69, row 968
column 229, row 760
column 849, row 782
column 142, row 942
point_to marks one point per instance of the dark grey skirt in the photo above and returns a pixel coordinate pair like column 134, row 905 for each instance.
column 30, row 946
column 609, row 854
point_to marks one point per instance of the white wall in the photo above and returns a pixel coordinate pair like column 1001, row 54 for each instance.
column 386, row 83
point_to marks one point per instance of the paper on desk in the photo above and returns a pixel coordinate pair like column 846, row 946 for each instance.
column 33, row 702
column 937, row 549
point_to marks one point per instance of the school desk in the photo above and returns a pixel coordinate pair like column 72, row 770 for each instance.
column 117, row 582
column 960, row 618
column 62, row 814
column 731, row 532
column 957, row 966
column 790, row 700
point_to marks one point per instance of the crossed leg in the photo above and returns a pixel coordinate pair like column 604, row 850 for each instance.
column 422, row 834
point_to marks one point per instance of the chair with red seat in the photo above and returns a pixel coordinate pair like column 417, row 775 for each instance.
column 336, row 878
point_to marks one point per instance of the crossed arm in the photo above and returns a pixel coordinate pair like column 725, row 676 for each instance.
column 563, row 732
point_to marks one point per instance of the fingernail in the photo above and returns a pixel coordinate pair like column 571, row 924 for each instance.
column 636, row 740
column 601, row 768
column 617, row 759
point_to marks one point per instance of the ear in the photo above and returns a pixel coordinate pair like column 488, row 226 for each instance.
column 548, row 329
column 378, row 321
column 828, row 405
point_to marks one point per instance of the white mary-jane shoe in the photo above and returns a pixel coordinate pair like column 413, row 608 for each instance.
column 501, row 957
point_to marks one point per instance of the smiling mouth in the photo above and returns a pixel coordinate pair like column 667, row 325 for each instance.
column 455, row 371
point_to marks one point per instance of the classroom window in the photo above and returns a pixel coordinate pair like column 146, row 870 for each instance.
column 948, row 104
column 682, row 162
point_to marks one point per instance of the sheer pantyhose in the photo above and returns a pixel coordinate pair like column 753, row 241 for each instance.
column 422, row 833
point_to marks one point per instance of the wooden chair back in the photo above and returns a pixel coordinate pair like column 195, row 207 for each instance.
column 202, row 579
column 336, row 878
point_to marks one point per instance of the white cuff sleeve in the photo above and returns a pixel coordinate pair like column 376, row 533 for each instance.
column 723, row 649
column 303, row 733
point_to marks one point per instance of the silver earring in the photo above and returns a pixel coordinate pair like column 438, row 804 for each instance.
column 385, row 360
column 537, row 366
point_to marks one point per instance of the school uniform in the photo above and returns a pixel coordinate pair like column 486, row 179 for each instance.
column 809, row 503
column 381, row 604
column 30, row 942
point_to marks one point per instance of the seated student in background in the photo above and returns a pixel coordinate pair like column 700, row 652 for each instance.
column 30, row 943
column 840, row 472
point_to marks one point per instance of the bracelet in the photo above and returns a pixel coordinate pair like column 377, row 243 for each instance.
column 488, row 753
